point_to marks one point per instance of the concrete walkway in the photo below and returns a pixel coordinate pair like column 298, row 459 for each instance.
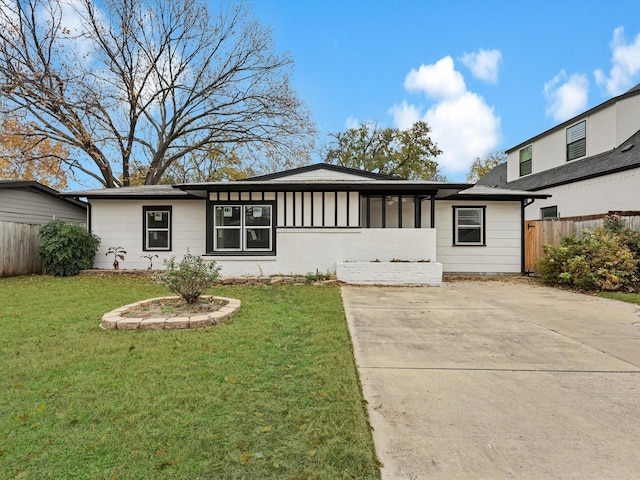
column 493, row 380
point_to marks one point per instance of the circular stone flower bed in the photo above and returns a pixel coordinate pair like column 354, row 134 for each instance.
column 170, row 313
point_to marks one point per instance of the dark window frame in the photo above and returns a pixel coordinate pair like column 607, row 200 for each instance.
column 526, row 166
column 553, row 208
column 211, row 205
column 580, row 143
column 483, row 226
column 159, row 208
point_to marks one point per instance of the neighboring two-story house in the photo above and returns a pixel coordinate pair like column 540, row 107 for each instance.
column 589, row 164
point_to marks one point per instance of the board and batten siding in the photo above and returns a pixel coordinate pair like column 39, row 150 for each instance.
column 118, row 223
column 23, row 205
column 303, row 209
column 503, row 229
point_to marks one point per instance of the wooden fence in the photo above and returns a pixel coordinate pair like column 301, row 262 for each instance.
column 19, row 249
column 552, row 230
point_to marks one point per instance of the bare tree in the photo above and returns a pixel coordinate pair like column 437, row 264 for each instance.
column 147, row 82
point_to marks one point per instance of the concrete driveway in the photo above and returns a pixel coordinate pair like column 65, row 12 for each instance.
column 493, row 380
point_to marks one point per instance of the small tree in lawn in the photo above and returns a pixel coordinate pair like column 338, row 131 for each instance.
column 190, row 277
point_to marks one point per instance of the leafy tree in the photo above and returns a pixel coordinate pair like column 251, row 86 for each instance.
column 146, row 83
column 406, row 153
column 481, row 166
column 24, row 155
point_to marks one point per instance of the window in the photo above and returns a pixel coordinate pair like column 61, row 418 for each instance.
column 549, row 212
column 526, row 159
column 577, row 141
column 242, row 228
column 468, row 226
column 156, row 228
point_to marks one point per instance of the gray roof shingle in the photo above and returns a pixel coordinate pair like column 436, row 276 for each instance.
column 625, row 157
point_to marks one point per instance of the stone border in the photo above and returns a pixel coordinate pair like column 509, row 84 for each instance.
column 114, row 320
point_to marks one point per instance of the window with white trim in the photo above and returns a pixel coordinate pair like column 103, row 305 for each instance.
column 469, row 226
column 577, row 140
column 243, row 228
column 156, row 228
column 526, row 160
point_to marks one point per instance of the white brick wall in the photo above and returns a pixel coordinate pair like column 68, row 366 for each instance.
column 390, row 273
column 311, row 250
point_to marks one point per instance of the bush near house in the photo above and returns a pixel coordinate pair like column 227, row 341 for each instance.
column 67, row 248
column 190, row 277
column 604, row 259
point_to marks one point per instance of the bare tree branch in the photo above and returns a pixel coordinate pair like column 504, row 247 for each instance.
column 147, row 82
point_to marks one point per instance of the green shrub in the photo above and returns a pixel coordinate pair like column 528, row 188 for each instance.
column 189, row 278
column 67, row 248
column 600, row 260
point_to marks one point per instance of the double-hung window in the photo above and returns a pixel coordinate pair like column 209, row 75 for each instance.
column 526, row 159
column 243, row 228
column 577, row 140
column 156, row 226
column 469, row 226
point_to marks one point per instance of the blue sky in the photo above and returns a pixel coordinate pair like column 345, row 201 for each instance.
column 485, row 75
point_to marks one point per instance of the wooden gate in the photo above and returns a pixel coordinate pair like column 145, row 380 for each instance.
column 539, row 232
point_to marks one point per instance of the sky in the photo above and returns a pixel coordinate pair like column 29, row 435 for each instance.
column 485, row 75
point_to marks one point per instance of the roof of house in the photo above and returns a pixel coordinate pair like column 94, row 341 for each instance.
column 364, row 182
column 38, row 187
column 625, row 157
column 629, row 93
column 325, row 166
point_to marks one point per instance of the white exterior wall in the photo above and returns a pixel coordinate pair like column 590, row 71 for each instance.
column 118, row 223
column 627, row 118
column 302, row 250
column 502, row 253
column 311, row 250
column 616, row 191
column 606, row 129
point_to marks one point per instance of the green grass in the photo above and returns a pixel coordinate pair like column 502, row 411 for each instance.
column 623, row 297
column 272, row 393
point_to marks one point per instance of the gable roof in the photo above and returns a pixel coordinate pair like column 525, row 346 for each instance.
column 625, row 157
column 323, row 166
column 40, row 188
column 629, row 93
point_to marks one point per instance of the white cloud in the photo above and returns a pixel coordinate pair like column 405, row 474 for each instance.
column 464, row 128
column 625, row 60
column 405, row 115
column 462, row 124
column 566, row 96
column 483, row 64
column 352, row 123
column 438, row 81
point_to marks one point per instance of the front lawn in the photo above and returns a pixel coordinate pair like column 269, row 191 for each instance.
column 622, row 296
column 273, row 393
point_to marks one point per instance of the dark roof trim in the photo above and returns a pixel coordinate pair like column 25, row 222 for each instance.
column 584, row 177
column 323, row 166
column 33, row 185
column 497, row 197
column 629, row 93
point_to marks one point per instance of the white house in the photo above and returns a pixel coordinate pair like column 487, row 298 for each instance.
column 319, row 218
column 589, row 164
